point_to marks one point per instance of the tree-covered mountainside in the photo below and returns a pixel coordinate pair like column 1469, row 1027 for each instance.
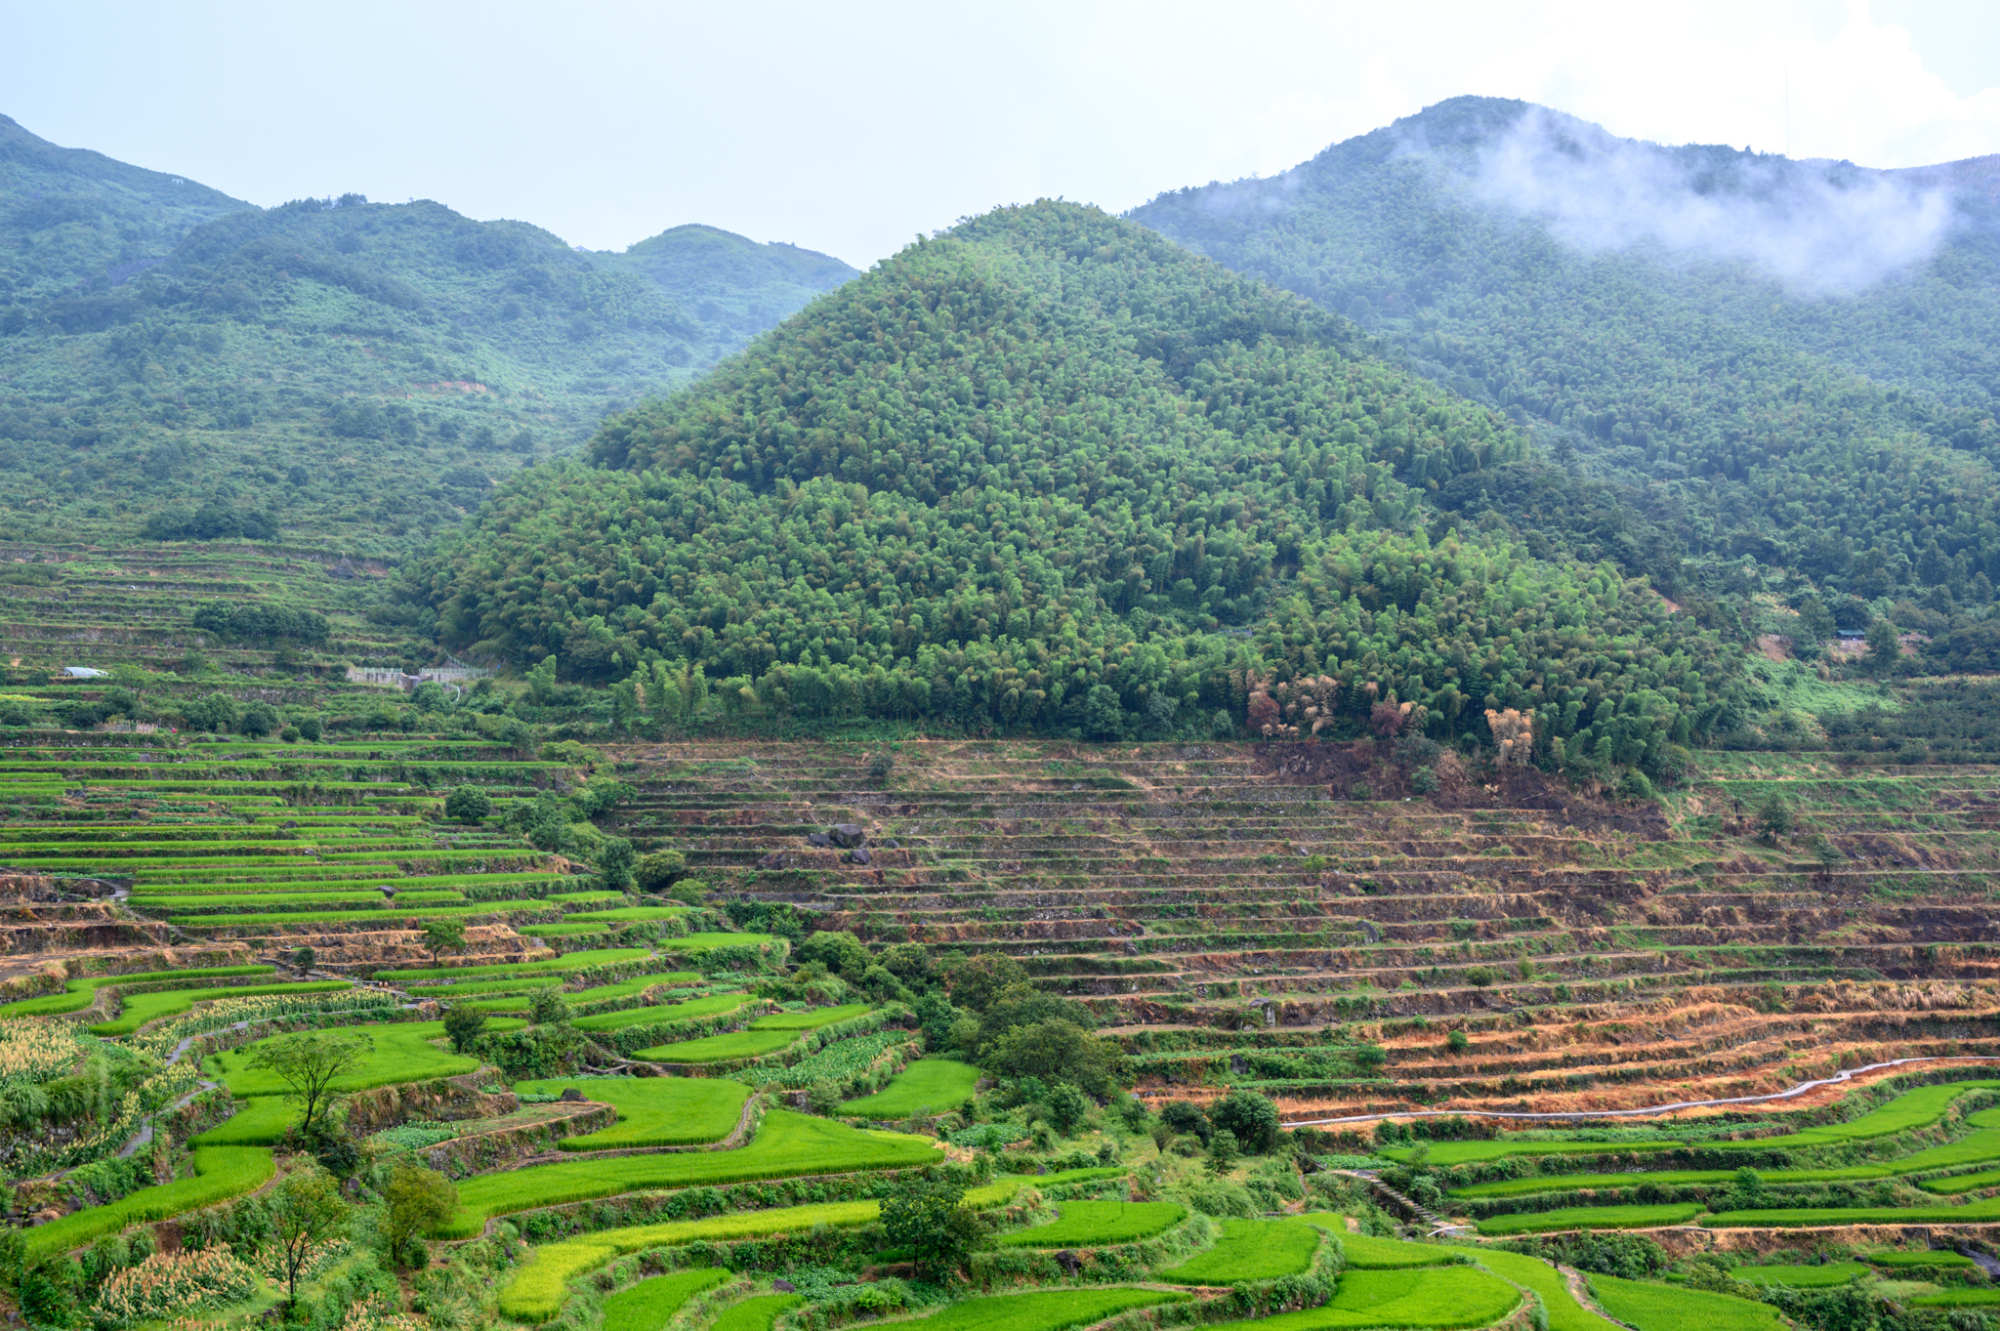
column 70, row 217
column 176, row 363
column 1051, row 472
column 1788, row 363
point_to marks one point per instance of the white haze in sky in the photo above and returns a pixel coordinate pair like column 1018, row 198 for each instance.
column 1791, row 221
column 848, row 128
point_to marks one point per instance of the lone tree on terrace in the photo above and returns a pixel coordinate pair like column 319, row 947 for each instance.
column 310, row 1062
column 928, row 1218
column 306, row 1211
column 443, row 936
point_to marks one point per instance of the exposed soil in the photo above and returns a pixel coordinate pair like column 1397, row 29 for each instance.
column 1365, row 762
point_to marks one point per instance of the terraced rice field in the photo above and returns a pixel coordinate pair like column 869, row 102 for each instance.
column 1651, row 1307
column 653, row 1111
column 787, row 1144
column 1438, row 1297
column 1234, row 916
column 1090, row 1224
column 1594, row 955
column 399, row 1052
column 1250, row 1250
column 929, row 1085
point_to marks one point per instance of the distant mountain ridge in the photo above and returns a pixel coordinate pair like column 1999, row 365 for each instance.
column 1777, row 359
column 180, row 362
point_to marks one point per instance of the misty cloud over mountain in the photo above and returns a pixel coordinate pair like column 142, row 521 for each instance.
column 1818, row 227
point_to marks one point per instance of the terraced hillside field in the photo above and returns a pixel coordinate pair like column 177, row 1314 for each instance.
column 1292, row 918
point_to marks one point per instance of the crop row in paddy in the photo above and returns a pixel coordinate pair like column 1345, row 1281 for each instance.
column 1086, row 1224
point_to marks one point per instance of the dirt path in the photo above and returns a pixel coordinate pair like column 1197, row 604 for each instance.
column 1579, row 1289
column 1802, row 1088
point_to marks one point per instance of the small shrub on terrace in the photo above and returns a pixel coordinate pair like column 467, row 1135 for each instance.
column 656, row 872
column 463, row 1025
column 1251, row 1120
column 1067, row 1107
column 1424, row 780
column 1458, row 1042
column 930, row 1220
column 1775, row 818
column 467, row 804
column 548, row 1007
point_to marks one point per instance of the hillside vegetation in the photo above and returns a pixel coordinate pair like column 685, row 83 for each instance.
column 176, row 364
column 1052, row 472
column 1733, row 419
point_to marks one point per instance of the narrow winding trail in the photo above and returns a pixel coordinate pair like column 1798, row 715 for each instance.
column 1574, row 1115
column 144, row 1137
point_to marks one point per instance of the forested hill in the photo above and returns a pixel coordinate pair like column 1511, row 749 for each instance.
column 1737, row 356
column 1052, row 472
column 176, row 363
column 70, row 217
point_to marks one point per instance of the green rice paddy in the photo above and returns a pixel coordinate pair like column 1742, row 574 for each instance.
column 928, row 1085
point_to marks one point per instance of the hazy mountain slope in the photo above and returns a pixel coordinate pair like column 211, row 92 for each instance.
column 71, row 218
column 328, row 369
column 1051, row 472
column 728, row 283
column 1787, row 360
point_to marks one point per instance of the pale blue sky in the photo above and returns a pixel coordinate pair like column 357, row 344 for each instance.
column 848, row 128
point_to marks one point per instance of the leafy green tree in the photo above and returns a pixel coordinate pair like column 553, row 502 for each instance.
column 1186, row 1118
column 443, row 936
column 1251, row 1118
column 259, row 719
column 657, row 870
column 548, row 1007
column 928, row 1219
column 1775, row 819
column 1222, row 1152
column 310, row 1062
column 978, row 982
column 463, row 1025
column 306, row 1211
column 615, row 859
column 467, row 804
column 1057, row 1051
column 542, row 681
column 836, row 949
column 416, row 1200
column 1884, row 648
column 1067, row 1107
